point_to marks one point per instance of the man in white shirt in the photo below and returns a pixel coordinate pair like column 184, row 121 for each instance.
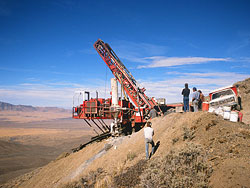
column 148, row 134
column 195, row 99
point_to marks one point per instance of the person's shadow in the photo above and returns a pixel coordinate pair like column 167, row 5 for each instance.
column 155, row 149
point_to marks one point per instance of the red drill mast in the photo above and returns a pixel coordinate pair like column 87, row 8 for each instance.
column 124, row 77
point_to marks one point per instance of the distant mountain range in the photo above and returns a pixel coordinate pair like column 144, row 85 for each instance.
column 27, row 108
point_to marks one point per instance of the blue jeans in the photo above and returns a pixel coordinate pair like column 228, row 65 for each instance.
column 147, row 142
column 186, row 103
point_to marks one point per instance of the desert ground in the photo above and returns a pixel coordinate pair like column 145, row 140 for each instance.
column 29, row 140
column 193, row 149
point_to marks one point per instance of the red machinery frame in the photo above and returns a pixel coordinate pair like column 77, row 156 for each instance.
column 129, row 114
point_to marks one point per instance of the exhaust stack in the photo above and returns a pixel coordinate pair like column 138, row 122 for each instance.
column 114, row 89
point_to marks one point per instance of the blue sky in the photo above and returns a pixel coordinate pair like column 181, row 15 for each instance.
column 46, row 47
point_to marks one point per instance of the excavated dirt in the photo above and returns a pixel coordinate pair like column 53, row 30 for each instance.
column 194, row 150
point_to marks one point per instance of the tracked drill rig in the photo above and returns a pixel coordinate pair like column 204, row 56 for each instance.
column 125, row 114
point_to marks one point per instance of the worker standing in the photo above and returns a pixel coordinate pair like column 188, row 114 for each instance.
column 201, row 99
column 152, row 113
column 148, row 134
column 112, row 131
column 185, row 93
column 195, row 99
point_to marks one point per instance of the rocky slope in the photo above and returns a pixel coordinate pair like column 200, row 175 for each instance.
column 193, row 150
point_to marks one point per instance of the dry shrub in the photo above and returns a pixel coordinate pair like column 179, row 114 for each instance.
column 186, row 167
column 131, row 155
column 74, row 184
column 188, row 134
column 245, row 133
column 63, row 155
column 88, row 181
column 93, row 176
column 119, row 168
column 105, row 182
column 174, row 140
column 131, row 176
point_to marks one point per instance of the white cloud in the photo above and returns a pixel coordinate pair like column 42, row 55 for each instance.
column 171, row 88
column 35, row 71
column 151, row 55
column 61, row 94
column 230, row 76
column 161, row 61
column 54, row 94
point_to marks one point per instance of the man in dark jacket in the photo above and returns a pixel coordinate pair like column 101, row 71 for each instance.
column 185, row 93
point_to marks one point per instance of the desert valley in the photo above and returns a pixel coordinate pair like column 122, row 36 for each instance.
column 31, row 137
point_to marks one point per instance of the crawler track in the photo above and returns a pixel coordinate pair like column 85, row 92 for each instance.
column 93, row 139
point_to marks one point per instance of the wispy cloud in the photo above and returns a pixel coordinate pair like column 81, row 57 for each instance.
column 61, row 93
column 171, row 88
column 34, row 71
column 240, row 44
column 51, row 94
column 136, row 51
column 218, row 74
column 161, row 61
column 241, row 63
column 244, row 59
column 152, row 55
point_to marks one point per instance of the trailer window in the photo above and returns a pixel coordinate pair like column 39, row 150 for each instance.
column 222, row 94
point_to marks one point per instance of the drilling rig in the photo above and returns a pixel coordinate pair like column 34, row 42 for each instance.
column 126, row 112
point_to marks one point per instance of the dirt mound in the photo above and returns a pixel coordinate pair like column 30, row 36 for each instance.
column 195, row 150
column 244, row 92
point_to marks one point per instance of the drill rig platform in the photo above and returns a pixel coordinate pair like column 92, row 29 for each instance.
column 126, row 113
